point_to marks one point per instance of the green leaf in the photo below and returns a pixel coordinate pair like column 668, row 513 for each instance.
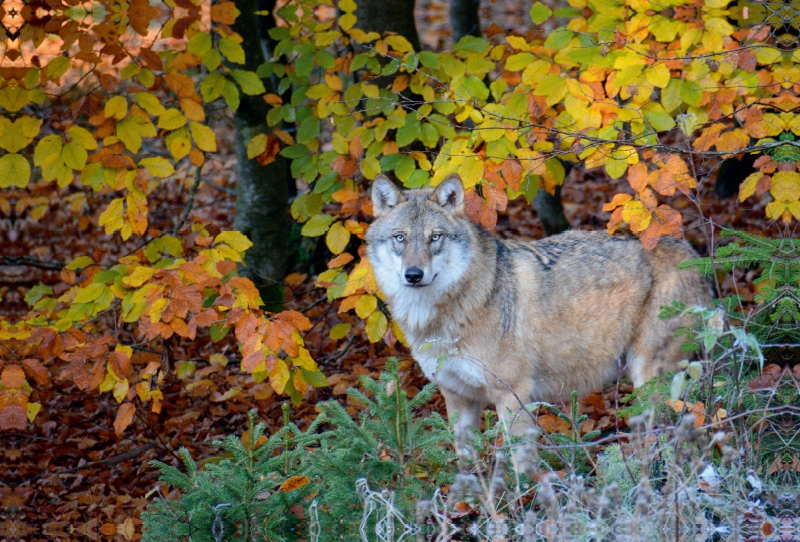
column 295, row 151
column 661, row 122
column 57, row 67
column 339, row 331
column 558, row 39
column 200, row 43
column 308, row 130
column 249, row 81
column 211, row 87
column 80, row 262
column 691, row 92
column 519, row 61
column 315, row 378
column 218, row 331
column 74, row 155
column 48, row 150
column 429, row 60
column 231, row 95
column 231, row 50
column 540, row 13
column 671, row 95
column 90, row 293
column 14, row 171
column 317, row 225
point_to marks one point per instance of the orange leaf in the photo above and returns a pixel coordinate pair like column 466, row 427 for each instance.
column 340, row 260
column 37, row 370
column 295, row 482
column 553, row 424
column 124, row 417
column 295, row 318
column 13, row 377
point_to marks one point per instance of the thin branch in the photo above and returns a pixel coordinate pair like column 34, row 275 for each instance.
column 189, row 203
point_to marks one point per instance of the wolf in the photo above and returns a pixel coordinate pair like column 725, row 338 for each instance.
column 506, row 323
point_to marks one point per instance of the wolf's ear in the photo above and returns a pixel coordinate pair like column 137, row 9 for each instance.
column 385, row 195
column 450, row 194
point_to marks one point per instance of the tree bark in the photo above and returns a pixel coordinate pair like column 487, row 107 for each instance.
column 464, row 18
column 388, row 16
column 550, row 211
column 262, row 195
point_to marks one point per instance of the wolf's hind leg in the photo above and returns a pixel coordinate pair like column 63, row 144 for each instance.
column 654, row 352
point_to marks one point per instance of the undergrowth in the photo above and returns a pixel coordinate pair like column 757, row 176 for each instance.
column 710, row 453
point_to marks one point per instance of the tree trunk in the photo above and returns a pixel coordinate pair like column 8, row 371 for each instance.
column 464, row 18
column 550, row 211
column 262, row 196
column 388, row 16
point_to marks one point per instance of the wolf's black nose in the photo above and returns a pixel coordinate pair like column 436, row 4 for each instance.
column 414, row 275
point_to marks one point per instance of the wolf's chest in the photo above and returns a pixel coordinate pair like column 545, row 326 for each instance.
column 457, row 373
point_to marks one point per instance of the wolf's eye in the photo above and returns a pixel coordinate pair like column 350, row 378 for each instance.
column 436, row 236
column 399, row 237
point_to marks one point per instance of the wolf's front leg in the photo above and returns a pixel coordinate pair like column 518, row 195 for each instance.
column 469, row 410
column 513, row 414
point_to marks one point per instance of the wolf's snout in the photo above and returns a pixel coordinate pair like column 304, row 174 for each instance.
column 414, row 275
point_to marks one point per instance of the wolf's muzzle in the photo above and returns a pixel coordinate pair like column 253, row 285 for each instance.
column 414, row 275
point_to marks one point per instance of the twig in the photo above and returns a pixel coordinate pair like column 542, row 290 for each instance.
column 226, row 189
column 189, row 202
column 112, row 460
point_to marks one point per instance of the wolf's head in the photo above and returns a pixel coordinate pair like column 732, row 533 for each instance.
column 420, row 238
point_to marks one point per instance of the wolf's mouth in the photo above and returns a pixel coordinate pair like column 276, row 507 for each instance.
column 421, row 285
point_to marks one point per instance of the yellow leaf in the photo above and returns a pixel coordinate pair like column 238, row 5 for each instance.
column 83, row 137
column 786, row 186
column 279, row 376
column 636, row 215
column 171, row 119
column 111, row 218
column 337, row 238
column 32, row 410
column 116, row 107
column 139, row 276
column 258, row 145
column 347, row 21
column 471, row 171
column 376, row 326
column 235, row 239
column 121, row 390
column 366, row 305
column 305, row 361
column 657, row 75
column 748, row 186
column 339, row 331
column 399, row 44
column 518, row 42
column 203, row 136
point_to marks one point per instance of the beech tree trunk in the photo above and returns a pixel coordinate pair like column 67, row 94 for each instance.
column 464, row 18
column 388, row 16
column 262, row 192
